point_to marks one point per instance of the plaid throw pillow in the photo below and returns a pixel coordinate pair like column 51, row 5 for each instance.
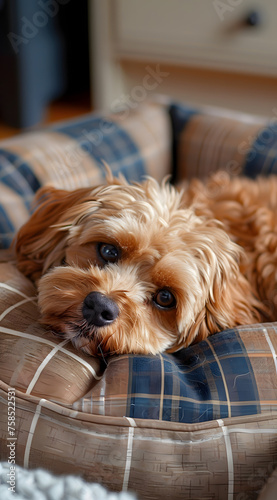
column 210, row 139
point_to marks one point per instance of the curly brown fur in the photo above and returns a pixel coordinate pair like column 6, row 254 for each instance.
column 166, row 267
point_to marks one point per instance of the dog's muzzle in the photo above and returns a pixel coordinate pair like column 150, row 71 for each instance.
column 99, row 310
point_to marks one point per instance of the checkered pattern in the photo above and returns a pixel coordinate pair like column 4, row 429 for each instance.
column 221, row 377
column 198, row 424
column 103, row 138
column 170, row 426
column 40, row 355
column 71, row 155
column 210, row 139
column 18, row 184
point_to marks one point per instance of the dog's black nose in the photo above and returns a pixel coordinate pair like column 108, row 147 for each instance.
column 99, row 310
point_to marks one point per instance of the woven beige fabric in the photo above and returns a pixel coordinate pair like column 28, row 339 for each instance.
column 215, row 460
column 210, row 143
column 269, row 491
column 32, row 359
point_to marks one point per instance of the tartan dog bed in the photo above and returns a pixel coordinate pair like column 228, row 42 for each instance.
column 198, row 424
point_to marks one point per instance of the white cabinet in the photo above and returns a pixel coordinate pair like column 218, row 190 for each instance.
column 208, row 48
column 236, row 35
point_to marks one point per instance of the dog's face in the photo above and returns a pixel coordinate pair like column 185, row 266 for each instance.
column 126, row 269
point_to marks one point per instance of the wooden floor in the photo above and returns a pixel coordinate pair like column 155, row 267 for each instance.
column 59, row 110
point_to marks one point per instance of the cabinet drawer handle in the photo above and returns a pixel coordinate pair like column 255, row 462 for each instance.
column 253, row 19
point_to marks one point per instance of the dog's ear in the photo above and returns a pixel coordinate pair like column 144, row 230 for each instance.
column 230, row 303
column 43, row 235
column 226, row 299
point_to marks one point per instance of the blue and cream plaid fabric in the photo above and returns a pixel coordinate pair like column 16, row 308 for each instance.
column 210, row 139
column 230, row 374
column 221, row 377
column 71, row 155
column 198, row 424
column 155, row 139
column 102, row 138
column 18, row 184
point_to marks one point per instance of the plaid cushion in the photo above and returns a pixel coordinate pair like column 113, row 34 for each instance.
column 103, row 138
column 216, row 460
column 17, row 187
column 221, row 377
column 210, row 139
column 262, row 154
column 32, row 359
column 70, row 155
column 73, row 417
column 159, row 425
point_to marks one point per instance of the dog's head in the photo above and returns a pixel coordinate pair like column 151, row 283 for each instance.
column 126, row 269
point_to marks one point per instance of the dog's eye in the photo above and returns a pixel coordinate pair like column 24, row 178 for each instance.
column 164, row 299
column 109, row 253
